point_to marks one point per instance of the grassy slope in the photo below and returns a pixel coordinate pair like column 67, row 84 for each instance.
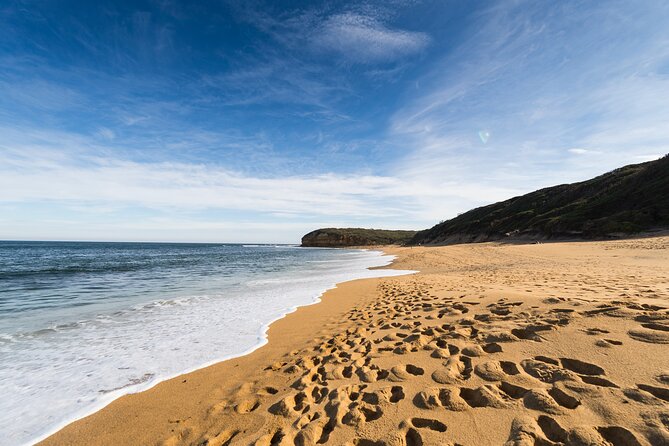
column 631, row 199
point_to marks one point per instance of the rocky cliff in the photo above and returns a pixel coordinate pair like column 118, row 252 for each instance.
column 342, row 237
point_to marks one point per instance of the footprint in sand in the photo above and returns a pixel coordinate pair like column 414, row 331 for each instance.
column 270, row 439
column 546, row 370
column 658, row 392
column 223, row 438
column 618, row 436
column 513, row 391
column 496, row 370
column 428, row 423
column 483, row 396
column 581, row 367
column 448, row 398
column 607, row 343
column 404, row 372
column 456, row 369
column 396, row 394
column 247, row 406
column 547, row 431
column 552, row 429
column 539, row 399
column 473, row 351
column 564, row 397
column 268, row 391
column 413, row 438
column 525, row 432
column 492, row 348
column 598, row 381
column 663, row 377
column 651, row 332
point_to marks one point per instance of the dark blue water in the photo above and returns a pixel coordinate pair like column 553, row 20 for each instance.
column 34, row 275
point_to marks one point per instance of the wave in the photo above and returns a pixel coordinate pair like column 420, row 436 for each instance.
column 69, row 270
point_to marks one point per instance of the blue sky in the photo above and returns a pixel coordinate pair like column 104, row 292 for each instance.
column 259, row 121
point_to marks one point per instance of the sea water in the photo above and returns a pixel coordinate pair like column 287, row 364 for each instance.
column 84, row 323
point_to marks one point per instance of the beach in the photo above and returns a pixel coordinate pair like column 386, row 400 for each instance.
column 488, row 344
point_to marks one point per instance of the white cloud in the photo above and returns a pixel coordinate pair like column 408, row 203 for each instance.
column 577, row 151
column 364, row 39
column 26, row 177
column 361, row 35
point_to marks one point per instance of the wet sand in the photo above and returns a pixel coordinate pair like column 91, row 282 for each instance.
column 548, row 344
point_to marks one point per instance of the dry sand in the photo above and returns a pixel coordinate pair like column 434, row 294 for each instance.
column 561, row 343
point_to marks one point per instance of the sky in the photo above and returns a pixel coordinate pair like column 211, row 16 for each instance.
column 252, row 121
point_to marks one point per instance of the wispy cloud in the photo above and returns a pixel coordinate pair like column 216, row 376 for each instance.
column 356, row 34
column 365, row 39
column 274, row 79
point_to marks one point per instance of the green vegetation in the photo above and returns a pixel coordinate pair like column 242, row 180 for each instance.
column 628, row 200
column 340, row 237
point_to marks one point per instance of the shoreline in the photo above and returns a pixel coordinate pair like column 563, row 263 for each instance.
column 457, row 353
column 263, row 340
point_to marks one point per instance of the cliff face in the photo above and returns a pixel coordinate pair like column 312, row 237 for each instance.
column 343, row 237
column 628, row 200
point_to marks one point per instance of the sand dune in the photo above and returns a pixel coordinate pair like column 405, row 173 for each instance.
column 550, row 344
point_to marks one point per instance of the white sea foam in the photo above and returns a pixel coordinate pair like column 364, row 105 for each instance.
column 63, row 372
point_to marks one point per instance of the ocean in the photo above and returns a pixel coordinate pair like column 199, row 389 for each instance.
column 83, row 323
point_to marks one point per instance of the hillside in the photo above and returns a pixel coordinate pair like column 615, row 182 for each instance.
column 628, row 200
column 341, row 237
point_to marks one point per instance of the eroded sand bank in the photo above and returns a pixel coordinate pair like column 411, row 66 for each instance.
column 560, row 343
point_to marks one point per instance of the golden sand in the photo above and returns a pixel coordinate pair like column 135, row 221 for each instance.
column 548, row 344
